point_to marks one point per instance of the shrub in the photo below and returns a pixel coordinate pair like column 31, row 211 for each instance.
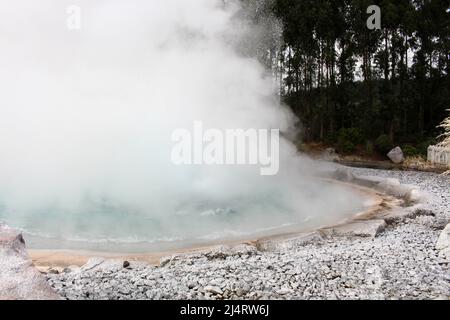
column 331, row 139
column 422, row 147
column 410, row 151
column 383, row 144
column 369, row 148
column 348, row 139
column 347, row 147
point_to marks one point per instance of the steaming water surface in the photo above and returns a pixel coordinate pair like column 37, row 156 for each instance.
column 102, row 226
column 86, row 118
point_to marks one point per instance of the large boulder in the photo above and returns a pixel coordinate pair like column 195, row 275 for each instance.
column 330, row 154
column 443, row 244
column 19, row 279
column 362, row 228
column 396, row 155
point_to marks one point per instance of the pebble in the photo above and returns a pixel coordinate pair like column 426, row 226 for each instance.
column 400, row 263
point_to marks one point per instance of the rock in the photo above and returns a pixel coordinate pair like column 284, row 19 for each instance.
column 443, row 243
column 290, row 242
column 394, row 188
column 284, row 291
column 93, row 263
column 396, row 155
column 126, row 264
column 53, row 271
column 71, row 269
column 125, row 290
column 330, row 154
column 400, row 214
column 344, row 174
column 164, row 261
column 244, row 249
column 213, row 290
column 218, row 252
column 240, row 292
column 364, row 228
column 19, row 279
column 411, row 194
column 12, row 240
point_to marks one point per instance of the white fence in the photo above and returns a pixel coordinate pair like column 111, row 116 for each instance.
column 439, row 155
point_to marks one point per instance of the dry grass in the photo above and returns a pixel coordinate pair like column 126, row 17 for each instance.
column 446, row 135
column 417, row 162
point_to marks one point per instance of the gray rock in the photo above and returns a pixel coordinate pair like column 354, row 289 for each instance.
column 164, row 261
column 93, row 263
column 284, row 291
column 396, row 155
column 213, row 290
column 72, row 269
column 443, row 243
column 330, row 154
column 19, row 279
column 290, row 242
column 364, row 228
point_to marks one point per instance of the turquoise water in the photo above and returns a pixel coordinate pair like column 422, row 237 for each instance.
column 102, row 225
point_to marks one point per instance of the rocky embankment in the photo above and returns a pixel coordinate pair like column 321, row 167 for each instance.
column 19, row 279
column 398, row 260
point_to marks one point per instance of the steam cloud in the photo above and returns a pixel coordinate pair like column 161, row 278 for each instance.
column 86, row 118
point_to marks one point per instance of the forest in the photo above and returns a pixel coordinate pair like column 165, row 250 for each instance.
column 357, row 88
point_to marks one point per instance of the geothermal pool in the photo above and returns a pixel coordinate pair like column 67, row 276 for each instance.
column 87, row 119
column 108, row 228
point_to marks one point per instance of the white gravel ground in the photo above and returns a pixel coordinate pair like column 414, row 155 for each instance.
column 400, row 263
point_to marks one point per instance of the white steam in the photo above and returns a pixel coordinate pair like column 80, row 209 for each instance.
column 86, row 119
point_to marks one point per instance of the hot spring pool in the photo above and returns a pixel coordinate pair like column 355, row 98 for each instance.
column 108, row 227
column 90, row 120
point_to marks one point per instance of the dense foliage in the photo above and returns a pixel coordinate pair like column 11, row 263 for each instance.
column 390, row 85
